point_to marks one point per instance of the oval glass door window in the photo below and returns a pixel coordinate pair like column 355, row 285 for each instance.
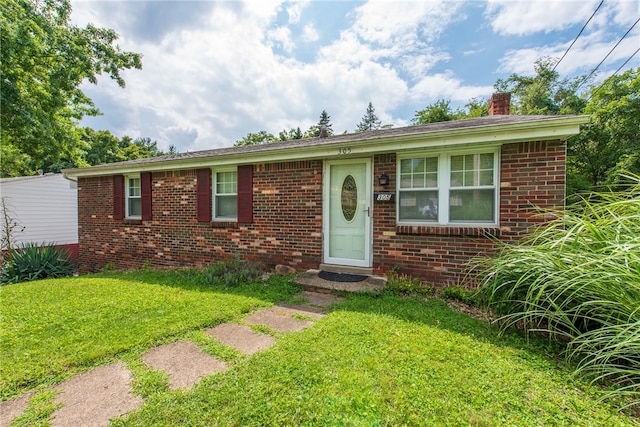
column 349, row 198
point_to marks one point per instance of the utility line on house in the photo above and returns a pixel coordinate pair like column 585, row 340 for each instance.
column 578, row 36
column 604, row 59
column 616, row 72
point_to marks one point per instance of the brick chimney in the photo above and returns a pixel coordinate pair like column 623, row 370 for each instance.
column 499, row 104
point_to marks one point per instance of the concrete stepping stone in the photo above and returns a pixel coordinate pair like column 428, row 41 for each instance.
column 241, row 337
column 185, row 363
column 319, row 299
column 13, row 408
column 93, row 397
column 279, row 319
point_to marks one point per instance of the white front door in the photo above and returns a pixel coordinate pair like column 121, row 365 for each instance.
column 347, row 213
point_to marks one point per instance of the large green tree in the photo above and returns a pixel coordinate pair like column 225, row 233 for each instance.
column 44, row 60
column 609, row 145
column 543, row 93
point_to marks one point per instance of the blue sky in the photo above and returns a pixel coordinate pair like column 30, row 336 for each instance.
column 215, row 70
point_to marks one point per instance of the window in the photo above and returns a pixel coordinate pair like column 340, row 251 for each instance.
column 472, row 190
column 225, row 195
column 448, row 189
column 419, row 189
column 133, row 200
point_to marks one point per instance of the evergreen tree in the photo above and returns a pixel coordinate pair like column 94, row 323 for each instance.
column 369, row 121
column 325, row 121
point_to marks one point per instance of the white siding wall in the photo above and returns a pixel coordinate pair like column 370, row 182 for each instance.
column 46, row 206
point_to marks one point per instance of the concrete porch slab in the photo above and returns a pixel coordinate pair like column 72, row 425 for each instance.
column 311, row 282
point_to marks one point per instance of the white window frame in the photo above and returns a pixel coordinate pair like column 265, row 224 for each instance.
column 444, row 187
column 128, row 196
column 215, row 194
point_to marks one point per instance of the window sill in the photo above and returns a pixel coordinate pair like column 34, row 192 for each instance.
column 132, row 221
column 450, row 230
column 223, row 224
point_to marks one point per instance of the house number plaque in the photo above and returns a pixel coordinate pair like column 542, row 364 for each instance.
column 384, row 197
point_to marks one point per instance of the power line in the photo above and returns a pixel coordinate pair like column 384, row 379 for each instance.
column 616, row 72
column 578, row 36
column 612, row 49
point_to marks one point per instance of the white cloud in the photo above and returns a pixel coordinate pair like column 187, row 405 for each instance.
column 446, row 86
column 282, row 37
column 309, row 33
column 518, row 18
column 294, row 10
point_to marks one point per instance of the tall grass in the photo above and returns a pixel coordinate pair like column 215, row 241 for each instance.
column 578, row 279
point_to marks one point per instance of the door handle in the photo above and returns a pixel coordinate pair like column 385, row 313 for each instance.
column 368, row 211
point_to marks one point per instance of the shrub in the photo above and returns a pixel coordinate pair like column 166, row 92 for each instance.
column 405, row 285
column 578, row 279
column 458, row 293
column 33, row 262
column 233, row 272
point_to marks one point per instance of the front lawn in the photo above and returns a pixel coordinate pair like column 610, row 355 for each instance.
column 51, row 327
column 380, row 360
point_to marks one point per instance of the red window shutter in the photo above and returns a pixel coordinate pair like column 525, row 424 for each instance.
column 118, row 196
column 145, row 195
column 245, row 194
column 203, row 194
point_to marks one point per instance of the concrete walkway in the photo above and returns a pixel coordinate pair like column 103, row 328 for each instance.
column 94, row 397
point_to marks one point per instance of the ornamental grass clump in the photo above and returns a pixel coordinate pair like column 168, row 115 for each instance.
column 31, row 261
column 578, row 280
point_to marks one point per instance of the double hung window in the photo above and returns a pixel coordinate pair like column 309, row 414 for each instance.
column 448, row 188
column 133, row 201
column 225, row 195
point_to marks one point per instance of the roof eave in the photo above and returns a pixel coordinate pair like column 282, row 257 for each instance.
column 494, row 134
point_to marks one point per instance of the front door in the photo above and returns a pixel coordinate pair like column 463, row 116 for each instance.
column 347, row 213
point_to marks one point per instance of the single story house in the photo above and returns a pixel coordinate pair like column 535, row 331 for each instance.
column 424, row 199
column 44, row 209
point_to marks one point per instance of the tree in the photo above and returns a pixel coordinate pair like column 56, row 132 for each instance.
column 439, row 111
column 609, row 145
column 262, row 137
column 324, row 122
column 545, row 93
column 477, row 108
column 285, row 135
column 44, row 60
column 369, row 121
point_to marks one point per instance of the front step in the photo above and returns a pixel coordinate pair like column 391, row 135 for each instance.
column 346, row 269
column 312, row 283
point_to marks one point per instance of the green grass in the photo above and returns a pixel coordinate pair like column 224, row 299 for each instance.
column 578, row 280
column 388, row 361
column 375, row 360
column 52, row 327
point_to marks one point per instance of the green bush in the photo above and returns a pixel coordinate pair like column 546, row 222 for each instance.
column 405, row 285
column 33, row 262
column 578, row 280
column 458, row 293
column 233, row 272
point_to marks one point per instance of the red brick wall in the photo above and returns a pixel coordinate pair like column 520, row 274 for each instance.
column 532, row 176
column 287, row 227
column 284, row 194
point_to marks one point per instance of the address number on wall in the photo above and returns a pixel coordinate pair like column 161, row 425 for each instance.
column 345, row 150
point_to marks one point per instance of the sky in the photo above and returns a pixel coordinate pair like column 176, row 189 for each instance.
column 214, row 71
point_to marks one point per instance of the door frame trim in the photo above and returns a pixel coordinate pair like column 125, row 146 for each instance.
column 368, row 231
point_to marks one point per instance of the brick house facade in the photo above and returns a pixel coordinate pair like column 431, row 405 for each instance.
column 176, row 211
